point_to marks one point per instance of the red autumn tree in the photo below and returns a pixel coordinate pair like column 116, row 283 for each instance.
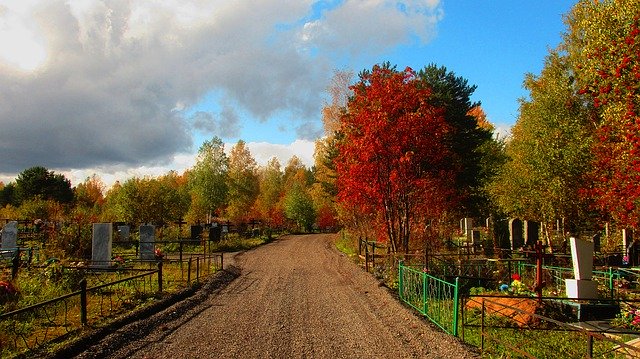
column 603, row 43
column 392, row 161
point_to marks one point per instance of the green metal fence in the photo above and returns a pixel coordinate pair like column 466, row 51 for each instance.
column 433, row 297
column 556, row 276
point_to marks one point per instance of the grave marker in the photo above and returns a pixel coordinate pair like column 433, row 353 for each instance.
column 196, row 232
column 101, row 244
column 215, row 232
column 147, row 242
column 124, row 233
column 10, row 235
column 516, row 233
column 582, row 287
column 531, row 233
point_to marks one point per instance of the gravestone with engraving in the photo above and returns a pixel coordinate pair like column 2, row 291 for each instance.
column 9, row 235
column 147, row 242
column 516, row 233
column 101, row 244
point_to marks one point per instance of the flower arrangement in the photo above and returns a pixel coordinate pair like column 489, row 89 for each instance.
column 118, row 262
column 629, row 319
column 516, row 287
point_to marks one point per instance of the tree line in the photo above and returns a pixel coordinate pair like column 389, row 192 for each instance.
column 407, row 153
column 218, row 187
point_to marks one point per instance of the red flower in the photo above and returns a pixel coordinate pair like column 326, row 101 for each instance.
column 515, row 276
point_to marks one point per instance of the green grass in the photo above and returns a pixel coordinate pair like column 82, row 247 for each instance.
column 346, row 245
column 502, row 338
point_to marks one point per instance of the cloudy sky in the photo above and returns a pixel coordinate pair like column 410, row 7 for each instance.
column 130, row 88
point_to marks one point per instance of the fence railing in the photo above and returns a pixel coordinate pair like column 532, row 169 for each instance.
column 104, row 294
column 35, row 325
column 516, row 326
column 433, row 297
column 556, row 276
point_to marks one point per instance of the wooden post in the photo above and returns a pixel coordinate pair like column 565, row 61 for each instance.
column 539, row 258
column 83, row 302
column 160, row 277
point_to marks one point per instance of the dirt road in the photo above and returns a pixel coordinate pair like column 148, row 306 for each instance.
column 297, row 297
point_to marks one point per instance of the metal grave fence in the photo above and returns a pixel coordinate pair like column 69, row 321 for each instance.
column 433, row 297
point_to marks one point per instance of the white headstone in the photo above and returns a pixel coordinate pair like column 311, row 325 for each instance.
column 101, row 244
column 582, row 257
column 147, row 242
column 582, row 287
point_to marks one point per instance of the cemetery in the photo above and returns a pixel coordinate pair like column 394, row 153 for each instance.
column 512, row 292
column 49, row 299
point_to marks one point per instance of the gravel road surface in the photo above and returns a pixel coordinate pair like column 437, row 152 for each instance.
column 297, row 297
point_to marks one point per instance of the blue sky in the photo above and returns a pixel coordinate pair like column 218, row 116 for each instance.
column 493, row 46
column 124, row 89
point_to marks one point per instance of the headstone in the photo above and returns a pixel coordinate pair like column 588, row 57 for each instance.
column 101, row 244
column 475, row 237
column 196, row 232
column 215, row 233
column 10, row 235
column 582, row 287
column 123, row 233
column 516, row 233
column 627, row 238
column 147, row 242
column 531, row 233
column 596, row 242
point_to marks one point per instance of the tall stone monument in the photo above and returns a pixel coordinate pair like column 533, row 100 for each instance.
column 147, row 242
column 9, row 236
column 101, row 244
column 582, row 287
column 516, row 233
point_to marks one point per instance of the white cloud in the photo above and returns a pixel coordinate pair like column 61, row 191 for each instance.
column 261, row 151
column 118, row 77
column 373, row 26
column 264, row 151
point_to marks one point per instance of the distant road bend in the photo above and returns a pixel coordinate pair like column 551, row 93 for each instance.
column 297, row 297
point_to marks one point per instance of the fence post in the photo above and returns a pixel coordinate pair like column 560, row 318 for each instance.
column 197, row 269
column 189, row 271
column 589, row 345
column 160, row 276
column 373, row 257
column 455, row 307
column 366, row 257
column 83, row 301
column 611, row 283
column 400, row 281
column 221, row 260
column 482, row 327
column 424, row 293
